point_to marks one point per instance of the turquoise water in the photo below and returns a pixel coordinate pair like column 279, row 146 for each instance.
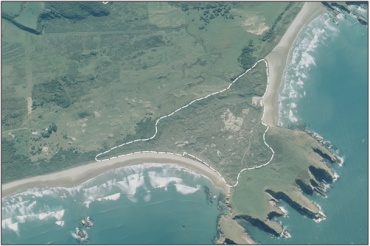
column 325, row 87
column 141, row 204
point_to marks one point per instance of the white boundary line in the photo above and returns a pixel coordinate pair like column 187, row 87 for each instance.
column 187, row 154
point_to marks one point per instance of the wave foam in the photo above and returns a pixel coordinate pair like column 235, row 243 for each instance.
column 130, row 184
column 147, row 197
column 157, row 181
column 285, row 212
column 58, row 215
column 113, row 197
column 185, row 190
column 59, row 222
column 300, row 62
column 8, row 224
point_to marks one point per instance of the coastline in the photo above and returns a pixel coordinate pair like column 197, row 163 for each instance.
column 277, row 58
column 276, row 61
column 77, row 175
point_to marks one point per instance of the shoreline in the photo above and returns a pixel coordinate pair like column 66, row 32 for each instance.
column 77, row 175
column 277, row 58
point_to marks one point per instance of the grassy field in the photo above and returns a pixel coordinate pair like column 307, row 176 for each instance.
column 224, row 130
column 99, row 71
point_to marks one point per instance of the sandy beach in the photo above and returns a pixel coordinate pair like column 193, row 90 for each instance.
column 277, row 60
column 77, row 175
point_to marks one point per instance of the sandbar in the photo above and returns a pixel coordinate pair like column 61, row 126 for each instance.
column 276, row 60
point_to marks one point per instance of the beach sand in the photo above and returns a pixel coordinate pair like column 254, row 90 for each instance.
column 77, row 175
column 277, row 60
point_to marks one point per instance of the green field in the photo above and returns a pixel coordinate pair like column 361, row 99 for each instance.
column 224, row 129
column 98, row 71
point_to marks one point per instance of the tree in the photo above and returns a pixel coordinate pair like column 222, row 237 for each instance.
column 54, row 127
column 45, row 134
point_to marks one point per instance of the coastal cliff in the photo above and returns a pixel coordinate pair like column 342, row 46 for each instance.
column 345, row 7
column 299, row 169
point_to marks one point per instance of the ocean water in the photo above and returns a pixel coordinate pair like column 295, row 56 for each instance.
column 326, row 88
column 142, row 204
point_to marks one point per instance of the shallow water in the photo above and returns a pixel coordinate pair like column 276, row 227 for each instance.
column 141, row 204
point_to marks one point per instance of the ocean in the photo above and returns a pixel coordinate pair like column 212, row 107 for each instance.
column 325, row 87
column 142, row 204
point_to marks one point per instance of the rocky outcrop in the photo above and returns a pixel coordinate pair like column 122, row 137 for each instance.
column 318, row 187
column 336, row 8
column 325, row 156
column 229, row 241
column 341, row 7
column 321, row 175
column 258, row 223
column 298, row 207
column 273, row 214
column 306, row 188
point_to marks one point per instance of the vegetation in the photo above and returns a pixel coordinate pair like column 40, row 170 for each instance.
column 206, row 129
column 145, row 128
column 13, row 112
column 52, row 128
column 50, row 92
column 247, row 58
column 62, row 91
column 101, row 84
column 13, row 164
column 79, row 10
column 84, row 114
column 273, row 35
column 207, row 10
column 267, row 35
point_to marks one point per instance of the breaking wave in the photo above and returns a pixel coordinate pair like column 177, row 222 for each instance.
column 299, row 63
column 49, row 205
